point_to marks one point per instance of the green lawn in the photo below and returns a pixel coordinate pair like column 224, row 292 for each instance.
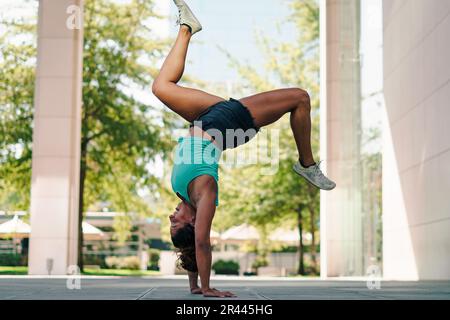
column 91, row 272
column 13, row 270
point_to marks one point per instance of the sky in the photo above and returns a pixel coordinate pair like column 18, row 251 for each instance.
column 231, row 24
column 371, row 48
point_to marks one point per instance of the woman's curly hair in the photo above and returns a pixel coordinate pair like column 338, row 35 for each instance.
column 184, row 242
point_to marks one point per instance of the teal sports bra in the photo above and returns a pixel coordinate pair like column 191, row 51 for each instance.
column 194, row 157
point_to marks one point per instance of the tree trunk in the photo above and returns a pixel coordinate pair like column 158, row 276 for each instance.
column 301, row 267
column 81, row 203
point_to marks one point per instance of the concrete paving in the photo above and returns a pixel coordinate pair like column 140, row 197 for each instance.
column 175, row 288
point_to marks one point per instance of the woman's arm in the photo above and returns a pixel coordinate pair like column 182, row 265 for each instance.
column 206, row 208
column 193, row 282
column 205, row 212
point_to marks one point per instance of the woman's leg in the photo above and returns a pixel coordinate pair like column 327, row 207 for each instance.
column 187, row 102
column 268, row 107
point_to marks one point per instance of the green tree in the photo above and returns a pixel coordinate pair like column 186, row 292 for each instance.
column 270, row 200
column 16, row 114
column 121, row 135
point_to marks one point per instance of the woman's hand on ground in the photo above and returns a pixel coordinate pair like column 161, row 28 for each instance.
column 212, row 292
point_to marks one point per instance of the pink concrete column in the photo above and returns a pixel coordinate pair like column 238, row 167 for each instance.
column 341, row 229
column 56, row 138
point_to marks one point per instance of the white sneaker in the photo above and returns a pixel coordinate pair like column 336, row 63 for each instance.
column 185, row 16
column 315, row 176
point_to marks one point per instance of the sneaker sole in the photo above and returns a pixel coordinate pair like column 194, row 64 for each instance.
column 312, row 182
column 200, row 27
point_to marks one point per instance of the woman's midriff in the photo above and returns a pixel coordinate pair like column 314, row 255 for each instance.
column 197, row 132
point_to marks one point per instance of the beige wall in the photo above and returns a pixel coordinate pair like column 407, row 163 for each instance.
column 416, row 155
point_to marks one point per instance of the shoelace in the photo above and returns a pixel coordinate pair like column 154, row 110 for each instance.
column 318, row 172
column 178, row 18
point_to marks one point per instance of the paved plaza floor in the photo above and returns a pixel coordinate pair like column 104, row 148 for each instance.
column 175, row 288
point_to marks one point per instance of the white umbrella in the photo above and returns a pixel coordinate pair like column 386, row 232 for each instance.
column 289, row 236
column 19, row 229
column 214, row 234
column 282, row 235
column 243, row 232
column 90, row 232
column 15, row 227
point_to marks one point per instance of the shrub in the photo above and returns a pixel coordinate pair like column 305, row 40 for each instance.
column 260, row 262
column 12, row 260
column 130, row 263
column 112, row 262
column 284, row 249
column 94, row 259
column 226, row 267
column 153, row 263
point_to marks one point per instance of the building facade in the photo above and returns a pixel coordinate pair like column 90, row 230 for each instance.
column 415, row 141
column 416, row 154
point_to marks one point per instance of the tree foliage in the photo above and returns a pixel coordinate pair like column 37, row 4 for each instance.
column 122, row 135
column 16, row 113
column 269, row 201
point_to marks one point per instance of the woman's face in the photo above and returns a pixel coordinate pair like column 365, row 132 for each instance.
column 182, row 215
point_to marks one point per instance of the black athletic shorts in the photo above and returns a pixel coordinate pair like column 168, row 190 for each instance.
column 230, row 123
